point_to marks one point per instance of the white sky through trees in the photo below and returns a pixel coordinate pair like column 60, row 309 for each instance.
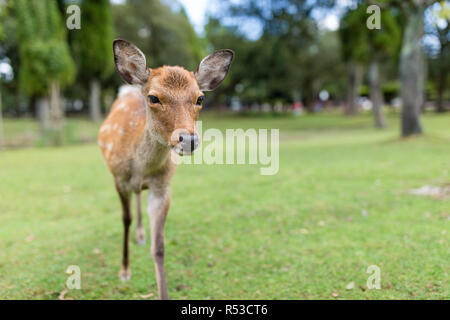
column 197, row 11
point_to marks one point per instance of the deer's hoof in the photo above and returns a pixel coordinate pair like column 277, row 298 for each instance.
column 140, row 236
column 125, row 274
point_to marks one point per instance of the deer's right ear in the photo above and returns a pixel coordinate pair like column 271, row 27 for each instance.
column 130, row 62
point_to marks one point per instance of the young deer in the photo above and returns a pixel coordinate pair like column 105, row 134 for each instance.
column 142, row 130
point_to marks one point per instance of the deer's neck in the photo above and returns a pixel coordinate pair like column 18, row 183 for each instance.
column 153, row 154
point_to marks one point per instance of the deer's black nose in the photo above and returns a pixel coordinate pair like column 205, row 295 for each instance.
column 188, row 142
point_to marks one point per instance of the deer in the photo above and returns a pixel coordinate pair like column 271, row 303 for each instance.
column 144, row 129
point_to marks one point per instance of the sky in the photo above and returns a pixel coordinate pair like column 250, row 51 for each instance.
column 196, row 11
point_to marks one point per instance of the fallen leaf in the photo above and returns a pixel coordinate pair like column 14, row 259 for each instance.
column 350, row 286
column 146, row 296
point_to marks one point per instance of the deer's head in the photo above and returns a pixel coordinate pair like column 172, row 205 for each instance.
column 173, row 95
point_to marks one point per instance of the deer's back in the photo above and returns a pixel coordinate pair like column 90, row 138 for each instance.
column 121, row 132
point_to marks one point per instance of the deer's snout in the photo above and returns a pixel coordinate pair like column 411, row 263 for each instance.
column 186, row 142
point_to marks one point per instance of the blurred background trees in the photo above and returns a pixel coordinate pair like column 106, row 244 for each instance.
column 289, row 54
column 2, row 16
column 438, row 29
column 162, row 32
column 365, row 48
column 412, row 65
column 91, row 48
column 46, row 62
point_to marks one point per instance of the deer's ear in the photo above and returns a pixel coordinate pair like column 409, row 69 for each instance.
column 130, row 62
column 213, row 69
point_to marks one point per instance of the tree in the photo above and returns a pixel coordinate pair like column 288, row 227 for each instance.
column 2, row 13
column 383, row 45
column 46, row 64
column 163, row 33
column 219, row 37
column 92, row 49
column 440, row 57
column 412, row 64
column 356, row 52
column 412, row 69
column 277, row 65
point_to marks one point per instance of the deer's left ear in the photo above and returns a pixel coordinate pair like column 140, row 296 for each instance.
column 213, row 69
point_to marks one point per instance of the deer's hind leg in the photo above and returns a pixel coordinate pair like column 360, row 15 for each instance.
column 140, row 231
column 125, row 271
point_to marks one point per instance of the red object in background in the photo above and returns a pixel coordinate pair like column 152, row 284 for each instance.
column 298, row 106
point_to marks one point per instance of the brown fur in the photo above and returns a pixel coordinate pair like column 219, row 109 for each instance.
column 136, row 140
column 124, row 130
column 138, row 137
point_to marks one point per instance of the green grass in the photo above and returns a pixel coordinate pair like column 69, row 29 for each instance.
column 234, row 234
column 24, row 132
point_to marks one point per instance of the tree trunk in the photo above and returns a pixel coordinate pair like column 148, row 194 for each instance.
column 94, row 100
column 441, row 90
column 354, row 83
column 42, row 111
column 376, row 95
column 1, row 121
column 56, row 114
column 412, row 73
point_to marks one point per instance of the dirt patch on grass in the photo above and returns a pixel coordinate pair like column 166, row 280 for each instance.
column 442, row 192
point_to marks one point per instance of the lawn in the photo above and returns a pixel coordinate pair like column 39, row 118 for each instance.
column 338, row 205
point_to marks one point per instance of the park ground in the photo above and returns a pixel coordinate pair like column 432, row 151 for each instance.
column 339, row 204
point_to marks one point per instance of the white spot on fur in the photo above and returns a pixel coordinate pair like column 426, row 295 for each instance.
column 106, row 127
column 122, row 106
column 125, row 89
column 109, row 147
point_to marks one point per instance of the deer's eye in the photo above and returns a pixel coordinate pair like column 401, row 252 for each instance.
column 200, row 100
column 154, row 100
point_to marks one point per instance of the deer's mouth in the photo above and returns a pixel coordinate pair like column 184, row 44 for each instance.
column 178, row 149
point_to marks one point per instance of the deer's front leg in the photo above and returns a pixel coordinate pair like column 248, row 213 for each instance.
column 158, row 206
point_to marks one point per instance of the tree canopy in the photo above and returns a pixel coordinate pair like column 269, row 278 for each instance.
column 44, row 52
column 163, row 33
column 93, row 42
